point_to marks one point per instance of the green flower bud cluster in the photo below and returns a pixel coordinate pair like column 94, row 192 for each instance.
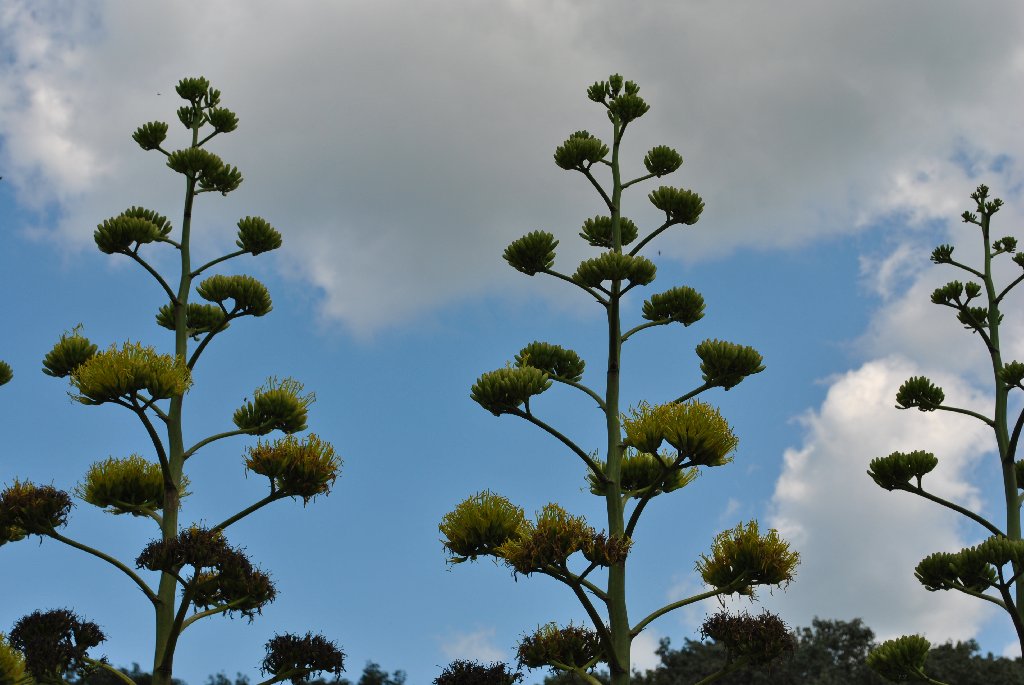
column 602, row 89
column 572, row 646
column 206, row 167
column 27, row 508
column 726, row 364
column 682, row 304
column 598, row 231
column 68, row 354
column 615, row 266
column 480, row 525
column 1004, row 244
column 134, row 226
column 554, row 360
column 680, row 206
column 950, row 293
column 662, row 160
column 974, row 568
column 55, row 643
column 195, row 89
column 743, row 555
column 895, row 471
column 1012, row 374
column 580, row 147
column 108, row 376
column 250, row 296
column 554, row 538
column 199, row 318
column 643, row 474
column 149, row 136
column 943, row 254
column 6, row 374
column 532, row 253
column 918, row 391
column 697, row 430
column 759, row 640
column 299, row 469
column 127, row 486
column 301, row 657
column 256, row 236
column 275, row 407
column 975, row 317
column 627, row 108
column 901, row 659
column 503, row 390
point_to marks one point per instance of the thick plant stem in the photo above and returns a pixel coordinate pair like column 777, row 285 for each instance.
column 1002, row 434
column 617, row 614
column 163, row 657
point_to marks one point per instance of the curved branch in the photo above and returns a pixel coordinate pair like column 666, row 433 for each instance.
column 273, row 496
column 170, row 293
column 982, row 595
column 213, row 438
column 966, row 268
column 565, row 278
column 604, row 195
column 206, row 341
column 654, row 234
column 595, row 618
column 226, row 257
column 580, row 386
column 123, row 677
column 111, row 560
column 693, row 392
column 917, row 490
column 598, row 592
column 160, row 452
column 734, row 585
column 642, row 326
column 1007, row 288
column 637, row 180
column 566, row 441
column 150, row 403
column 968, row 412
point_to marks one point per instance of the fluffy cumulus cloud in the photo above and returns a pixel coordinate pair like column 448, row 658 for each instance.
column 398, row 169
column 858, row 543
column 477, row 645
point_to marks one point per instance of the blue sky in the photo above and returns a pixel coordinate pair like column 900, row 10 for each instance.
column 398, row 148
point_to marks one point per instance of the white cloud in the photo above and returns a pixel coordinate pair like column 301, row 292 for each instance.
column 474, row 646
column 858, row 543
column 398, row 170
column 642, row 651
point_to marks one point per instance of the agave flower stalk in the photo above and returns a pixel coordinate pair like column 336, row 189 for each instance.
column 655, row 449
column 974, row 570
column 198, row 570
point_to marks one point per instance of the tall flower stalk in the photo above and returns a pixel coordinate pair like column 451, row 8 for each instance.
column 980, row 569
column 195, row 566
column 652, row 450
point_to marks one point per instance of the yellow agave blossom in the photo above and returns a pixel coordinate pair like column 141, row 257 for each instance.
column 113, row 374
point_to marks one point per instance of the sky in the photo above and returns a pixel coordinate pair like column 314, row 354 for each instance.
column 398, row 148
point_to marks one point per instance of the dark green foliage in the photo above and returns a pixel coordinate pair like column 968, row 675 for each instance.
column 55, row 642
column 830, row 653
column 470, row 673
column 6, row 374
column 290, row 654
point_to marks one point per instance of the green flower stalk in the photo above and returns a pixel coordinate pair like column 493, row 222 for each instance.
column 658, row 448
column 200, row 574
column 979, row 571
